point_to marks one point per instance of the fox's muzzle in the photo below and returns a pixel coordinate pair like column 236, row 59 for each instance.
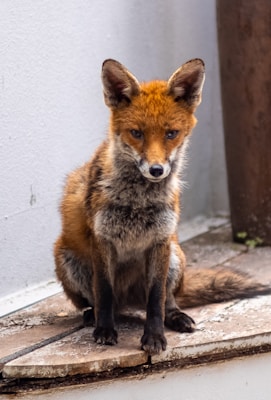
column 154, row 172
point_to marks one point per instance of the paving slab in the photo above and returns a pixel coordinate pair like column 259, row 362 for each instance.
column 77, row 354
column 256, row 262
column 212, row 248
column 32, row 327
column 242, row 327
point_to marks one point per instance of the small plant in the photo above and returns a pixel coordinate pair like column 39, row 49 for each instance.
column 251, row 243
column 241, row 235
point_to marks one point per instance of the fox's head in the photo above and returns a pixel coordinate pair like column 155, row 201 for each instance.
column 150, row 122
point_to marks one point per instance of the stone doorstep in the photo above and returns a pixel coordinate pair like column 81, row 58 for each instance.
column 234, row 326
column 47, row 340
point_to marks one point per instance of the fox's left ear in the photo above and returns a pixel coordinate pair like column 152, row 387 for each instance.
column 118, row 83
column 187, row 82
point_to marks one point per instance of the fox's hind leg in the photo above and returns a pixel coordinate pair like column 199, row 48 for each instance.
column 75, row 276
column 175, row 319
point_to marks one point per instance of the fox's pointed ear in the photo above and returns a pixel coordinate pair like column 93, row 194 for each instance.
column 187, row 82
column 118, row 83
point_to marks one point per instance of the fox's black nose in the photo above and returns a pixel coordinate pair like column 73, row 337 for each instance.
column 156, row 170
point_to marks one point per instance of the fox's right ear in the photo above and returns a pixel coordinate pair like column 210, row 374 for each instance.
column 118, row 83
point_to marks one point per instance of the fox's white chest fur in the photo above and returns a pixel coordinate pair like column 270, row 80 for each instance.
column 138, row 213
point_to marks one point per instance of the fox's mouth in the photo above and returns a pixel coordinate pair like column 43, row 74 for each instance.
column 155, row 180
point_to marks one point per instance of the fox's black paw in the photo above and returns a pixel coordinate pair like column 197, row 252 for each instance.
column 89, row 317
column 153, row 343
column 107, row 336
column 179, row 321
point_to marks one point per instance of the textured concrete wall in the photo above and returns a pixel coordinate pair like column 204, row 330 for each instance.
column 52, row 114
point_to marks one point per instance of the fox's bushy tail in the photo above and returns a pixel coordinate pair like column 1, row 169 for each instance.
column 215, row 285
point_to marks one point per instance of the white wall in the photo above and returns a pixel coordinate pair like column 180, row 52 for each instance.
column 52, row 114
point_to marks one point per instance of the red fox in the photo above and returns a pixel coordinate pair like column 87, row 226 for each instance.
column 120, row 212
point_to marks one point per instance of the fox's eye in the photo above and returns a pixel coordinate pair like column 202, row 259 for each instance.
column 137, row 134
column 172, row 134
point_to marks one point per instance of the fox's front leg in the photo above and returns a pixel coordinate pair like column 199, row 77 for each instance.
column 153, row 340
column 104, row 332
